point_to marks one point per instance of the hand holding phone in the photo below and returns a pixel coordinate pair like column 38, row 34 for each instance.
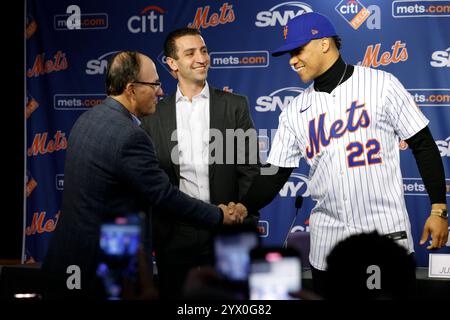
column 274, row 273
column 120, row 239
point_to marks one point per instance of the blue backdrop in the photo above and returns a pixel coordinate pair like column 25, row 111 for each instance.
column 66, row 63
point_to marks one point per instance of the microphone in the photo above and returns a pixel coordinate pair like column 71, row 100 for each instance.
column 298, row 205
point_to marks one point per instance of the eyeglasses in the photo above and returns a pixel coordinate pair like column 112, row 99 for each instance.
column 155, row 85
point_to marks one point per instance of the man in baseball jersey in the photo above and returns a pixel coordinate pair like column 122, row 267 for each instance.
column 347, row 125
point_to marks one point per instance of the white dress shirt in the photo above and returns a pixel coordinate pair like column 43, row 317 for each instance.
column 193, row 143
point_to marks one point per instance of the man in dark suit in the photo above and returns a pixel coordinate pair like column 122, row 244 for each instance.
column 187, row 129
column 111, row 169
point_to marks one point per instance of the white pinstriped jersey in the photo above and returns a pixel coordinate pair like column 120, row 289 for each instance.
column 350, row 138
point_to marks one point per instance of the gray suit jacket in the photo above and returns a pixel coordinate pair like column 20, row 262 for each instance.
column 110, row 169
column 178, row 240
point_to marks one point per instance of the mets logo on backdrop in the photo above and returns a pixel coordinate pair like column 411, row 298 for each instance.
column 203, row 18
column 374, row 57
column 353, row 11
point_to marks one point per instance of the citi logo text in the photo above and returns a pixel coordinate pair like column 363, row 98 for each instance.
column 99, row 65
column 202, row 20
column 279, row 99
column 355, row 13
column 373, row 57
column 151, row 19
column 281, row 14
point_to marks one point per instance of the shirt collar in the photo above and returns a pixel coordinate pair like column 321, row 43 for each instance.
column 135, row 119
column 203, row 94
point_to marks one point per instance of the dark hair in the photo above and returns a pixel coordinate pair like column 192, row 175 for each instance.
column 337, row 41
column 170, row 49
column 349, row 262
column 123, row 68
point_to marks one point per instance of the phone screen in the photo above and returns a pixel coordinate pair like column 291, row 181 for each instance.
column 232, row 254
column 273, row 274
column 119, row 244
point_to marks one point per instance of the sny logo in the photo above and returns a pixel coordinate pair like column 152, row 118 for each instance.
column 281, row 13
column 99, row 65
column 440, row 59
column 280, row 99
column 298, row 184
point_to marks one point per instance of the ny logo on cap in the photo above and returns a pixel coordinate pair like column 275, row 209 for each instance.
column 314, row 31
column 285, row 31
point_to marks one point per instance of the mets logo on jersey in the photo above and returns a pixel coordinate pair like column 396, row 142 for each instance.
column 318, row 136
column 359, row 153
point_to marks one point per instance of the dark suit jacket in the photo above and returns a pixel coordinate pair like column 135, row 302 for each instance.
column 111, row 168
column 178, row 241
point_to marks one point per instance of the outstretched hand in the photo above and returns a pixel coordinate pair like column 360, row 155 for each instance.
column 438, row 228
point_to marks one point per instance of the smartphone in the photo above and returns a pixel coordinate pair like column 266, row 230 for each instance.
column 274, row 272
column 232, row 247
column 120, row 239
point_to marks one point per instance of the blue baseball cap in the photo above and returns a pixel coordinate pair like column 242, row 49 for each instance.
column 302, row 29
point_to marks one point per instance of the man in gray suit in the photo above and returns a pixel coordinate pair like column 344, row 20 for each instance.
column 111, row 169
column 185, row 129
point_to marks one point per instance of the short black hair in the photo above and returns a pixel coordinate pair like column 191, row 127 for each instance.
column 170, row 49
column 349, row 261
column 123, row 68
column 337, row 41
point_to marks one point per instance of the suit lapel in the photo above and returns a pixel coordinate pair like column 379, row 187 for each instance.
column 216, row 121
column 169, row 125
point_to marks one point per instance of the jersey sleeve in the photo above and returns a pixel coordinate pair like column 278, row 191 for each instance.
column 285, row 151
column 403, row 113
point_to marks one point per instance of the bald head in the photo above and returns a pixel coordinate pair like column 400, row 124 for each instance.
column 124, row 67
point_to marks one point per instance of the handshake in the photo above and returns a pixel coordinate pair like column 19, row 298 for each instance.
column 233, row 213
